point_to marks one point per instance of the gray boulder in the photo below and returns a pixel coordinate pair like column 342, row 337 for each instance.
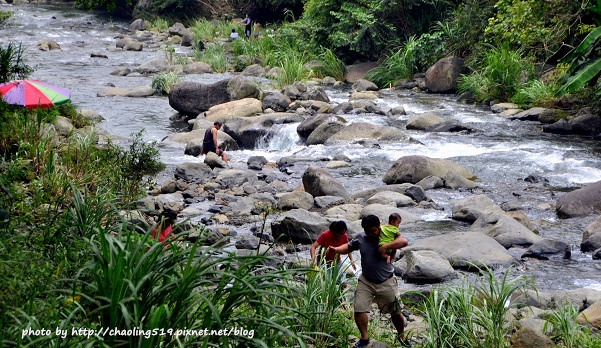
column 253, row 70
column 295, row 200
column 505, row 230
column 197, row 173
column 442, row 76
column 500, row 107
column 360, row 130
column 318, row 182
column 586, row 124
column 291, row 92
column 198, row 68
column 383, row 213
column 276, row 101
column 133, row 45
column 249, row 130
column 474, row 207
column 299, row 226
column 364, row 85
column 306, row 127
column 323, row 132
column 464, row 250
column 315, row 93
column 192, row 98
column 423, row 121
column 328, row 201
column 427, row 266
column 448, row 126
column 240, row 87
column 138, row 25
column 256, row 162
column 455, row 181
column 344, row 211
column 581, row 202
column 394, row 199
column 214, row 161
column 231, row 178
column 412, row 169
column 358, row 71
column 549, row 249
column 430, row 182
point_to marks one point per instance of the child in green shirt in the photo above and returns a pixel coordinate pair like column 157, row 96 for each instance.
column 389, row 233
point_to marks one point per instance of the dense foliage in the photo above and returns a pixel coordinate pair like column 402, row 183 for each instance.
column 12, row 63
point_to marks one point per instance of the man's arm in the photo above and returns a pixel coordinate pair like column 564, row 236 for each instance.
column 214, row 131
column 342, row 250
column 398, row 243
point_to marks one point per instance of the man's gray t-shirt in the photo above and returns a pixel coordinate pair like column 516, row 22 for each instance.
column 375, row 268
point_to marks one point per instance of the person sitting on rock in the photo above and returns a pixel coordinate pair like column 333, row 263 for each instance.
column 234, row 34
column 209, row 143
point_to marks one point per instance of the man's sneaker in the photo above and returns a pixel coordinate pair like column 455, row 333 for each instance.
column 403, row 342
column 361, row 343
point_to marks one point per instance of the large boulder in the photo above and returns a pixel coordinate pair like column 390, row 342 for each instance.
column 198, row 68
column 582, row 202
column 361, row 130
column 299, row 226
column 394, row 199
column 358, row 71
column 296, row 200
column 423, row 121
column 192, row 98
column 549, row 249
column 276, row 101
column 138, row 24
column 344, row 211
column 231, row 178
column 237, row 108
column 442, row 76
column 197, row 173
column 239, row 87
column 364, row 85
column 591, row 315
column 464, row 250
column 318, row 182
column 412, row 169
column 505, row 230
column 383, row 213
column 426, row 266
column 308, row 125
column 323, row 132
column 474, row 207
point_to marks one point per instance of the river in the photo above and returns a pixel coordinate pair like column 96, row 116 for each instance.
column 500, row 152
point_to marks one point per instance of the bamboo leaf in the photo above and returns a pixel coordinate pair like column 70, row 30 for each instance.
column 584, row 46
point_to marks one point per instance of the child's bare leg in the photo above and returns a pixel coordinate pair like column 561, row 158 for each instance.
column 387, row 259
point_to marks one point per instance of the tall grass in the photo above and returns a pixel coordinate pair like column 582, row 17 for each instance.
column 159, row 24
column 214, row 55
column 398, row 65
column 498, row 75
column 471, row 315
column 163, row 82
column 561, row 325
column 331, row 65
column 536, row 93
column 292, row 69
column 203, row 30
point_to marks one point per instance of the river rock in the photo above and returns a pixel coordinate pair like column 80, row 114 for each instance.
column 430, row 182
column 362, row 85
column 456, row 181
column 48, row 45
column 276, row 101
column 121, row 71
column 214, row 161
column 464, row 250
column 299, row 226
column 318, row 182
column 307, row 126
column 593, row 228
column 133, row 45
column 344, row 211
column 337, row 165
column 253, row 70
column 581, row 202
column 361, row 130
column 412, row 169
column 240, row 87
column 474, row 207
column 448, row 126
column 383, row 213
column 394, row 199
column 578, row 298
column 295, row 200
column 592, row 243
column 539, row 114
column 63, row 125
column 197, row 68
column 427, row 266
column 323, row 132
column 500, row 107
column 442, row 76
column 139, row 92
column 153, row 66
column 330, row 201
column 138, row 25
column 231, row 178
column 234, row 109
column 368, row 95
column 197, row 173
column 291, row 92
column 423, row 121
column 192, row 98
column 505, row 230
column 256, row 162
column 527, row 337
column 177, row 29
column 591, row 315
column 582, row 124
column 194, row 138
column 549, row 249
column 315, row 93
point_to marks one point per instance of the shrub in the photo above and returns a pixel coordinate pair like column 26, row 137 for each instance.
column 498, row 74
column 331, row 65
column 213, row 55
column 4, row 15
column 535, row 93
column 163, row 82
column 292, row 69
column 12, row 63
column 159, row 24
column 400, row 64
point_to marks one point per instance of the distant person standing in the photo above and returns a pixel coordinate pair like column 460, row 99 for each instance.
column 209, row 143
column 247, row 26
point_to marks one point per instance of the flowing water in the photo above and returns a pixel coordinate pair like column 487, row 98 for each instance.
column 500, row 152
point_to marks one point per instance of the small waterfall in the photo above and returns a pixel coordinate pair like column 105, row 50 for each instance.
column 281, row 137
